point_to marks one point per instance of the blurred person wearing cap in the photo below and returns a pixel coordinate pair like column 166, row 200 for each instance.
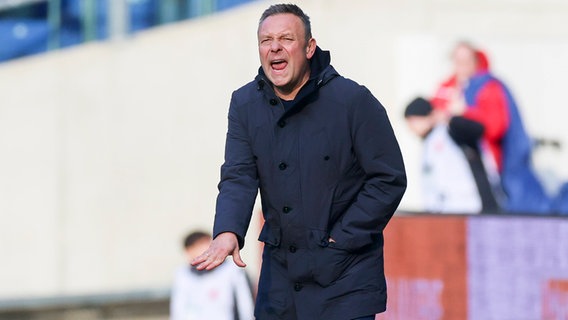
column 322, row 151
column 221, row 294
column 454, row 175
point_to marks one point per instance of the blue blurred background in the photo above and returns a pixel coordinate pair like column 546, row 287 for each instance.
column 33, row 26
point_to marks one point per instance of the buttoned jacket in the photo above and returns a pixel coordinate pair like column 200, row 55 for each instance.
column 327, row 165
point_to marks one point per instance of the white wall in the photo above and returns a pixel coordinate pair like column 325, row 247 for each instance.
column 110, row 152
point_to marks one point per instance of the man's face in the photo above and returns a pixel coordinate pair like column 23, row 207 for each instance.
column 465, row 64
column 284, row 51
column 420, row 125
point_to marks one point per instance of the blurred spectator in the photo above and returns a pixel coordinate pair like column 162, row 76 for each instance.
column 472, row 91
column 455, row 179
column 221, row 294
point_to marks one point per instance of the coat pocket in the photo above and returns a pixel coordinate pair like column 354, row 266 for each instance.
column 330, row 262
column 270, row 235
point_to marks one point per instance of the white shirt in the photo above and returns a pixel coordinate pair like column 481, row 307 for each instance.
column 449, row 185
column 204, row 295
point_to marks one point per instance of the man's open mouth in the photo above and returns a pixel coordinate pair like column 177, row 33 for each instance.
column 279, row 64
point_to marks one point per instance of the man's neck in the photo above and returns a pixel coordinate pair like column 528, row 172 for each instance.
column 290, row 94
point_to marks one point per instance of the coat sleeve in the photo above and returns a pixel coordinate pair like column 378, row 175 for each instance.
column 378, row 153
column 239, row 180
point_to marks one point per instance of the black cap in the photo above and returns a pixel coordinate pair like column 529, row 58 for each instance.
column 418, row 107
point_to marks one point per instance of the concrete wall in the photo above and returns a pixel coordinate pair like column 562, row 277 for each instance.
column 110, row 152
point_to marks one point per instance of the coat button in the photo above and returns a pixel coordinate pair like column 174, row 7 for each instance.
column 292, row 249
column 297, row 286
column 273, row 102
column 282, row 166
column 326, row 158
column 286, row 209
column 281, row 123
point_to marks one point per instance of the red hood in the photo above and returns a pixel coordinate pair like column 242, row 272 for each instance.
column 482, row 61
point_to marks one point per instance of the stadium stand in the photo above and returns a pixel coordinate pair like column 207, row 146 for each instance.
column 27, row 26
column 22, row 37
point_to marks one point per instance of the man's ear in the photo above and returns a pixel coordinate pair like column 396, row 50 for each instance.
column 311, row 48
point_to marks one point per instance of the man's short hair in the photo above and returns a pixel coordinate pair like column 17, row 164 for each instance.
column 292, row 9
column 194, row 237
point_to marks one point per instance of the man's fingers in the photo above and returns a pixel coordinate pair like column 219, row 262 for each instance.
column 200, row 259
column 214, row 263
column 210, row 259
column 205, row 262
column 225, row 244
column 200, row 263
column 237, row 258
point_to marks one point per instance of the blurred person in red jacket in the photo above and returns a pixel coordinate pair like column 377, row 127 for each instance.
column 490, row 105
column 473, row 92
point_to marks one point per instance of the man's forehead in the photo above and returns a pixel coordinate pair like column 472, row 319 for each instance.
column 281, row 23
column 463, row 50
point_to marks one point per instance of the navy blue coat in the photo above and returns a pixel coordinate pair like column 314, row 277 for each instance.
column 327, row 165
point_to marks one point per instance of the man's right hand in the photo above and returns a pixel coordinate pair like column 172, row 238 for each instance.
column 223, row 245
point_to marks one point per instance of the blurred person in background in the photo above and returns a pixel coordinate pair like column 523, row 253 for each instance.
column 454, row 175
column 475, row 93
column 224, row 293
column 322, row 151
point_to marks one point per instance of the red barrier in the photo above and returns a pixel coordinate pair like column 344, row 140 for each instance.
column 425, row 264
column 476, row 267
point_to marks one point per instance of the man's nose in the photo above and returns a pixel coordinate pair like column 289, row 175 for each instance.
column 275, row 46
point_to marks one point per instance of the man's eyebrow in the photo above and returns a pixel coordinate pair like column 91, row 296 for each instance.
column 278, row 35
